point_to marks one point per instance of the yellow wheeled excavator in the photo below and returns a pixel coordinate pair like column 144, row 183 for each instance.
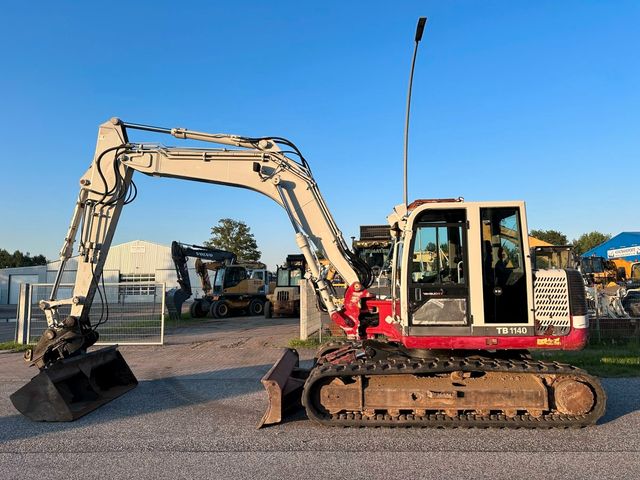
column 233, row 290
column 449, row 347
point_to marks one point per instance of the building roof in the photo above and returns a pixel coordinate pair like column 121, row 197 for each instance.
column 536, row 242
column 620, row 246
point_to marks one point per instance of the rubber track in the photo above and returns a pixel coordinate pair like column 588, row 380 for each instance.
column 412, row 366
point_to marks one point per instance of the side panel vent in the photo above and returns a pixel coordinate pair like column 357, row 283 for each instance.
column 551, row 302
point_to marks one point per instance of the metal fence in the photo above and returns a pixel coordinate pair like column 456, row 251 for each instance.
column 131, row 313
column 7, row 330
column 614, row 331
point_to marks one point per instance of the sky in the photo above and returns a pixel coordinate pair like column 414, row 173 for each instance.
column 528, row 100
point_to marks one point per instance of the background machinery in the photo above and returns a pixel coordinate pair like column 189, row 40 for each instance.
column 374, row 248
column 234, row 288
column 544, row 257
column 598, row 270
column 448, row 347
column 285, row 299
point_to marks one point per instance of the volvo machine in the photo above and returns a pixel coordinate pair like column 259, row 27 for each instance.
column 233, row 289
column 449, row 347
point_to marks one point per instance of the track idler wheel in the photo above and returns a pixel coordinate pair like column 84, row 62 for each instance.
column 573, row 397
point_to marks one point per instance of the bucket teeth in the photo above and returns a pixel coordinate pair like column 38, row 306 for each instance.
column 75, row 386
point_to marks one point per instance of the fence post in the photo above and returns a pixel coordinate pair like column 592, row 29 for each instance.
column 162, row 294
column 597, row 307
column 22, row 315
column 310, row 316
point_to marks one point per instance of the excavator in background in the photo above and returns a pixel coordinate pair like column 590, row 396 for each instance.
column 232, row 291
column 285, row 299
column 598, row 270
column 544, row 257
column 634, row 275
column 374, row 248
column 448, row 348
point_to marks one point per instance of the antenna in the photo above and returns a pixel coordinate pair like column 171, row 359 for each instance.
column 422, row 21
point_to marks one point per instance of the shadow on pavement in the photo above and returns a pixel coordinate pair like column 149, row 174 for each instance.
column 176, row 330
column 157, row 395
column 198, row 390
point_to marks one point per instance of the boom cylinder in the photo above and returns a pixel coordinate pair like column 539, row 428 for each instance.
column 303, row 245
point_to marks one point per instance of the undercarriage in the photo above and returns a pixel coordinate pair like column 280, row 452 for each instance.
column 376, row 384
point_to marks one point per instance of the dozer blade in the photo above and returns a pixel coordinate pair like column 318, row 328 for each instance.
column 75, row 386
column 284, row 383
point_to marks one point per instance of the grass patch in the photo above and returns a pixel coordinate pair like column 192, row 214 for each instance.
column 313, row 342
column 14, row 346
column 185, row 320
column 603, row 361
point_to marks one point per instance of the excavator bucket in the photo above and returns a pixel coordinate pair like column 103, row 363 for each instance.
column 174, row 299
column 284, row 383
column 75, row 386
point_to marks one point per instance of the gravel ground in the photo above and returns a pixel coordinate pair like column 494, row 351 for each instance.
column 195, row 412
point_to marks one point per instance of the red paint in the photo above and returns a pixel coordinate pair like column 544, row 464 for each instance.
column 358, row 303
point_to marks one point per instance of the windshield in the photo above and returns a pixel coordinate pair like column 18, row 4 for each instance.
column 592, row 265
column 289, row 278
column 635, row 271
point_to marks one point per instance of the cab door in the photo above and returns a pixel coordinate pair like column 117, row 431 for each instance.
column 503, row 266
column 438, row 269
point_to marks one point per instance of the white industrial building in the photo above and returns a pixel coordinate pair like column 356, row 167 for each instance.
column 136, row 261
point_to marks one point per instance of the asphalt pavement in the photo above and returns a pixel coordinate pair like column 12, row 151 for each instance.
column 195, row 411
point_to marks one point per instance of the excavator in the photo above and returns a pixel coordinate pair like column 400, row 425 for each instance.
column 232, row 291
column 285, row 299
column 450, row 347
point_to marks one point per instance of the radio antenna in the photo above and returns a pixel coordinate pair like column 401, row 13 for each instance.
column 422, row 21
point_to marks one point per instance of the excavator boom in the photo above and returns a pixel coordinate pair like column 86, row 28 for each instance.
column 254, row 163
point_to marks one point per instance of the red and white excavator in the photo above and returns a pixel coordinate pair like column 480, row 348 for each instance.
column 448, row 348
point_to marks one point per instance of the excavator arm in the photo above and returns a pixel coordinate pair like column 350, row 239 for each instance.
column 257, row 164
column 73, row 382
column 180, row 254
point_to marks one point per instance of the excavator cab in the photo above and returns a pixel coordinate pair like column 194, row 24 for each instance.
column 466, row 268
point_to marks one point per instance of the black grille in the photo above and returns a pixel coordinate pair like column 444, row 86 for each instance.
column 370, row 232
column 577, row 294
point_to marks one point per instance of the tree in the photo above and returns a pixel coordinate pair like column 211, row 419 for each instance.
column 587, row 241
column 19, row 259
column 234, row 236
column 553, row 237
